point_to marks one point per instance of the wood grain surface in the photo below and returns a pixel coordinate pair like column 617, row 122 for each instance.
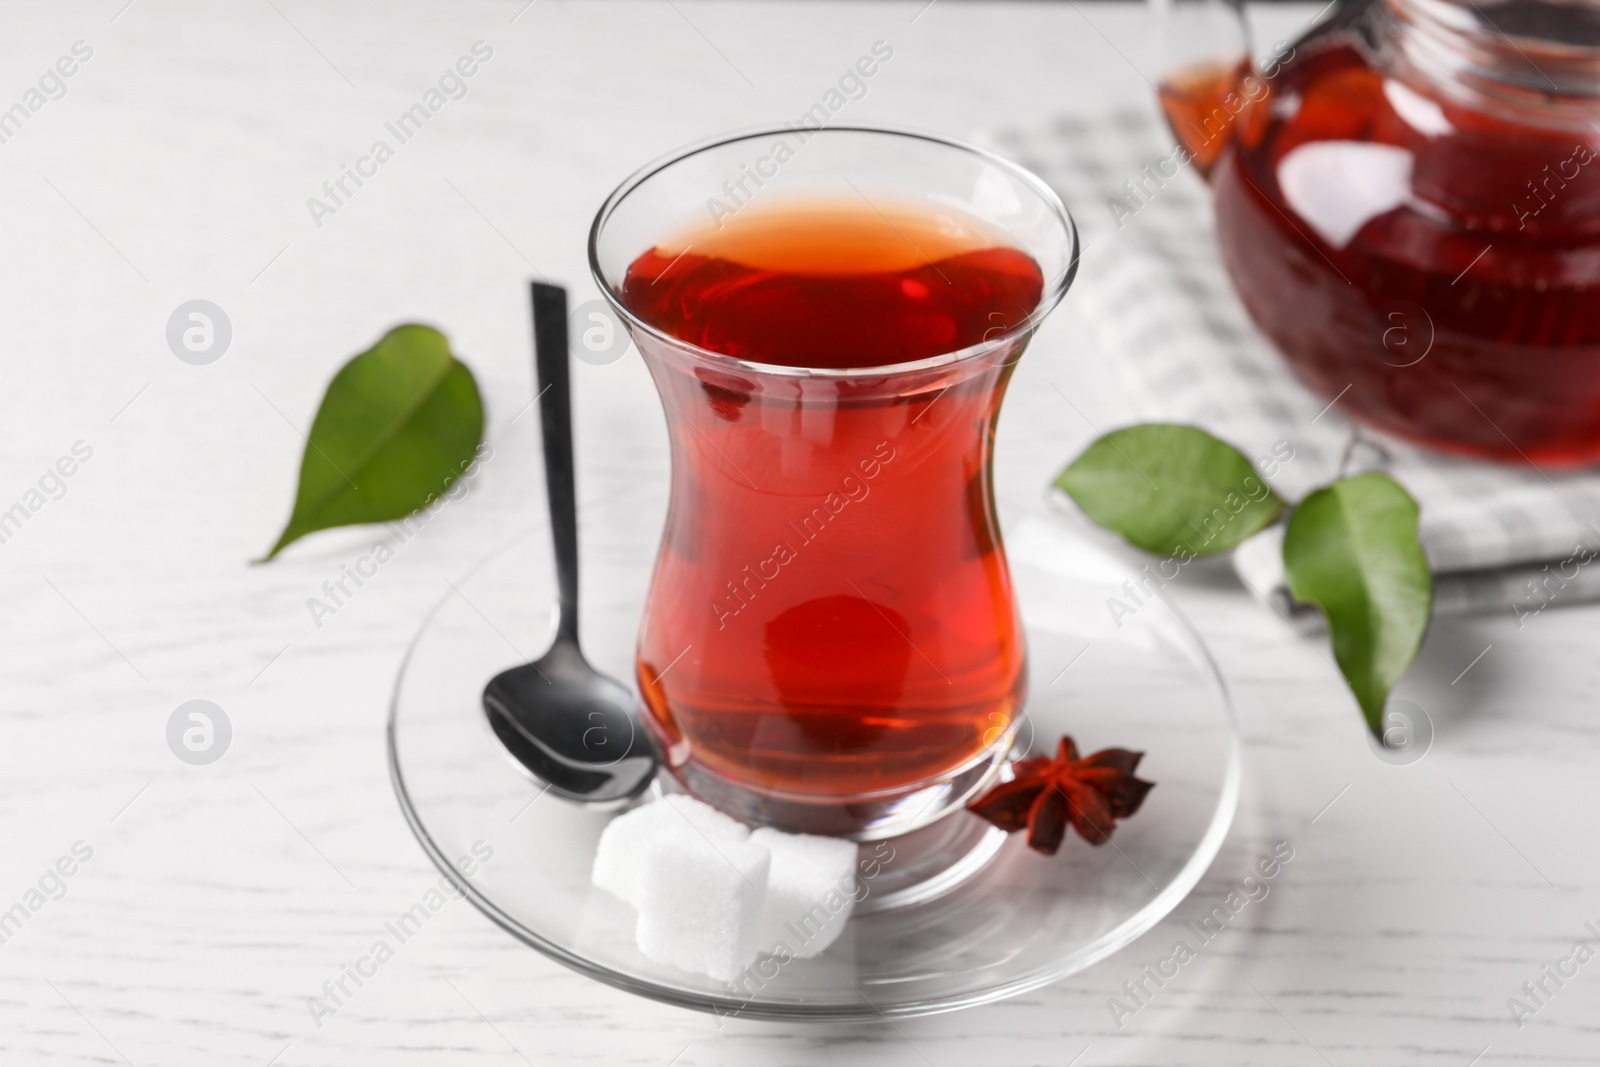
column 176, row 164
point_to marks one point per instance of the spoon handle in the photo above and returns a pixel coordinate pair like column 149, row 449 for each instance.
column 555, row 420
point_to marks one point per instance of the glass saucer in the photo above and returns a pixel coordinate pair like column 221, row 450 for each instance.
column 994, row 920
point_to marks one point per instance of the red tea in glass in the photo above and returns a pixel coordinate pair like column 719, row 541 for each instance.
column 831, row 640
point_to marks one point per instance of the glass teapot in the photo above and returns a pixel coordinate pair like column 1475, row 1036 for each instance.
column 1408, row 203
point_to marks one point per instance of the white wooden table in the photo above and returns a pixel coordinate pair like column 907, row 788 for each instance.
column 177, row 164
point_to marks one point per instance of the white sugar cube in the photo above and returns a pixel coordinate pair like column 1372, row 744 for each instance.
column 619, row 856
column 811, row 891
column 704, row 817
column 700, row 900
column 711, row 895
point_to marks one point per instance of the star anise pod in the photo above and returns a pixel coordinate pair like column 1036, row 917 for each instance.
column 1045, row 795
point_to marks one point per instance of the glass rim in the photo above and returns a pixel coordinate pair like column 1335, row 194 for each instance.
column 1055, row 288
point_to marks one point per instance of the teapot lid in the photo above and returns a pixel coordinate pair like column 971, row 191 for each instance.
column 1528, row 51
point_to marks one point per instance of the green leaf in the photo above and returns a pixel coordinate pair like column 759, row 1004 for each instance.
column 1352, row 550
column 399, row 423
column 1171, row 489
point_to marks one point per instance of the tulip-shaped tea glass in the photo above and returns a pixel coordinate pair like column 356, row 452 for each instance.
column 831, row 642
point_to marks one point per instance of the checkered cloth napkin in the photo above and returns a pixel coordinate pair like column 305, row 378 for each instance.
column 1154, row 298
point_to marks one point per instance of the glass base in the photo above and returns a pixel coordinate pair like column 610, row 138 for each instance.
column 869, row 817
column 926, row 864
column 914, row 868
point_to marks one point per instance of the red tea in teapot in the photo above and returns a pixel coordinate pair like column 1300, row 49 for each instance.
column 1422, row 246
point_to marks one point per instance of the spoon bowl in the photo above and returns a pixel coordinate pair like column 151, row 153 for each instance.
column 570, row 727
